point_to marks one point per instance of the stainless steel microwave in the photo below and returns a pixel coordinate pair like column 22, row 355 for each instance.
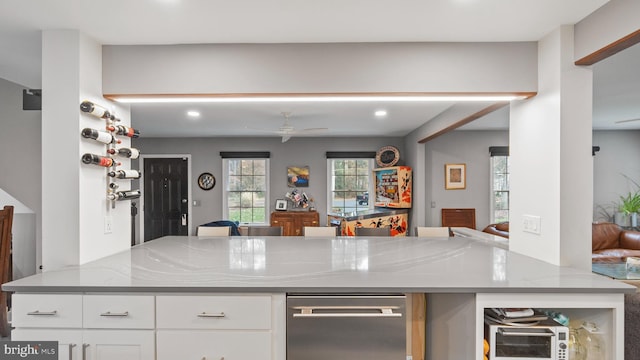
column 546, row 340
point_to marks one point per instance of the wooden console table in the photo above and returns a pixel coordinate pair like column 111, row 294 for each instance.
column 293, row 222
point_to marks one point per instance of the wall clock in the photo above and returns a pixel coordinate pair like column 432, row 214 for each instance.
column 206, row 181
column 387, row 156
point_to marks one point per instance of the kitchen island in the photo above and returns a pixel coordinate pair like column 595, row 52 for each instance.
column 461, row 277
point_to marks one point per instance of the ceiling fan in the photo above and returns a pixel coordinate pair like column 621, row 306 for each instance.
column 287, row 130
column 625, row 121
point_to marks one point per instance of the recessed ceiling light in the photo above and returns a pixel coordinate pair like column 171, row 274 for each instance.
column 380, row 113
column 193, row 113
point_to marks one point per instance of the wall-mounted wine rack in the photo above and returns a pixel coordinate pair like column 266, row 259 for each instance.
column 109, row 137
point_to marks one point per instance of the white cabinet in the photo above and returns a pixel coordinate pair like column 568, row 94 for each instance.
column 56, row 311
column 78, row 323
column 69, row 341
column 118, row 312
column 94, row 344
column 118, row 344
column 154, row 326
column 214, row 344
column 214, row 312
column 461, row 316
column 214, row 327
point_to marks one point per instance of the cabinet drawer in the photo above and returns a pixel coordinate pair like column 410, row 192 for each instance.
column 37, row 310
column 213, row 344
column 213, row 312
column 118, row 312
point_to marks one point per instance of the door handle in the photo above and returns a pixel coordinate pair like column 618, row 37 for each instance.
column 84, row 351
column 374, row 311
column 45, row 313
column 184, row 219
column 71, row 346
column 109, row 313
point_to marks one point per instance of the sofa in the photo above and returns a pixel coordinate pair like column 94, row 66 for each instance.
column 500, row 229
column 610, row 243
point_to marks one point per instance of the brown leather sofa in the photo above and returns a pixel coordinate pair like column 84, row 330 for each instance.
column 610, row 243
column 500, row 229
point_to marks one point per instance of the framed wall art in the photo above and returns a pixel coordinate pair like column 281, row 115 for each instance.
column 298, row 176
column 281, row 204
column 455, row 176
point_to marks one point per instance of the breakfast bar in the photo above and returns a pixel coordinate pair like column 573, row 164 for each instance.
column 460, row 276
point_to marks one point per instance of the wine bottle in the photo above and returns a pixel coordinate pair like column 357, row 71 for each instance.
column 125, row 174
column 98, row 160
column 124, row 130
column 124, row 195
column 97, row 111
column 101, row 136
column 131, row 153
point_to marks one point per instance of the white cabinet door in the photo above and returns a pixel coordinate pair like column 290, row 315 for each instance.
column 118, row 312
column 94, row 344
column 118, row 345
column 214, row 345
column 213, row 312
column 69, row 341
column 46, row 311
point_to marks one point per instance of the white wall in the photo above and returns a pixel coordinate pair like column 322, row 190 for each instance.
column 613, row 21
column 318, row 68
column 551, row 167
column 205, row 156
column 616, row 160
column 20, row 160
column 466, row 147
column 75, row 204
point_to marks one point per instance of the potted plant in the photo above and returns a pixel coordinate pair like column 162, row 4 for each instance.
column 630, row 205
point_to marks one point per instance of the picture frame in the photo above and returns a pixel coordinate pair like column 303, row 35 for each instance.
column 281, row 204
column 297, row 176
column 455, row 176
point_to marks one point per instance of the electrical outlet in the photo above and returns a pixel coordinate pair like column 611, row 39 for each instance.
column 531, row 223
column 108, row 224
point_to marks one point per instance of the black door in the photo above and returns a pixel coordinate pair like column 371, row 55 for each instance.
column 165, row 197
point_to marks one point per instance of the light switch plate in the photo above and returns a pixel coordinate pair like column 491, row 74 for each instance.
column 531, row 224
column 108, row 224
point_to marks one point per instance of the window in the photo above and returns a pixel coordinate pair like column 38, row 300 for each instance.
column 349, row 185
column 246, row 190
column 499, row 184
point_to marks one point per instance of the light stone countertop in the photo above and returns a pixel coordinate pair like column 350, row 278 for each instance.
column 318, row 265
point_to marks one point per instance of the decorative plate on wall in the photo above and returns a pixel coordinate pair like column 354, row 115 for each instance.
column 206, row 181
column 387, row 156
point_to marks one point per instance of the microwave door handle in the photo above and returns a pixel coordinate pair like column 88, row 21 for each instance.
column 524, row 332
column 375, row 311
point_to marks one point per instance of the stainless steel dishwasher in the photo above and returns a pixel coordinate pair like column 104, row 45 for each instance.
column 346, row 327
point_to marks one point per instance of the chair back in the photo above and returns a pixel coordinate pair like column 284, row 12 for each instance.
column 432, row 231
column 6, row 223
column 373, row 231
column 214, row 231
column 320, row 231
column 264, row 231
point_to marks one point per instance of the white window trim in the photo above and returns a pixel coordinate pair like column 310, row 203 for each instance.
column 225, row 182
column 492, row 208
column 330, row 182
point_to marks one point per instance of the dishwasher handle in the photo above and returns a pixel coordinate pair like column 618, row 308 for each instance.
column 373, row 311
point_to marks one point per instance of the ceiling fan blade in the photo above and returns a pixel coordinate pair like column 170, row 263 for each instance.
column 624, row 121
column 264, row 130
column 310, row 130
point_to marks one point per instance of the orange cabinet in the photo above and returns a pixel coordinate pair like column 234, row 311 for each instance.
column 293, row 222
